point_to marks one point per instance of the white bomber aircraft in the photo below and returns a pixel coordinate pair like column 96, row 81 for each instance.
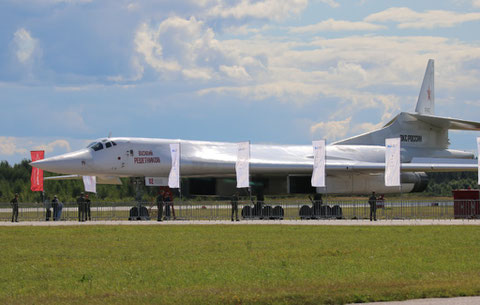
column 354, row 165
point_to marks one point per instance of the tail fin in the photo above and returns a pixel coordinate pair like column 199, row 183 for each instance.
column 426, row 98
column 420, row 129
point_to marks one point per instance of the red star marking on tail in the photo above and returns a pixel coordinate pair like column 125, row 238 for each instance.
column 428, row 92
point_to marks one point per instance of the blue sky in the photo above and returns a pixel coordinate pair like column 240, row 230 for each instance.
column 268, row 71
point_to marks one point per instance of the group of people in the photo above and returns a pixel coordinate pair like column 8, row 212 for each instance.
column 84, row 204
column 257, row 206
column 165, row 200
column 57, row 208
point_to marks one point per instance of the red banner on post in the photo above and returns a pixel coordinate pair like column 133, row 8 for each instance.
column 37, row 174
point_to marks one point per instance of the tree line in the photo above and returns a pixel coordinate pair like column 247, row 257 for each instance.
column 16, row 179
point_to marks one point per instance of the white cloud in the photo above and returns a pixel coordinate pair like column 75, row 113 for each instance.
column 476, row 3
column 355, row 73
column 236, row 72
column 18, row 148
column 266, row 9
column 367, row 127
column 337, row 25
column 408, row 18
column 132, row 6
column 332, row 3
column 8, row 146
column 187, row 48
column 147, row 45
column 331, row 130
column 242, row 30
column 25, row 45
column 178, row 45
column 49, row 2
column 137, row 69
column 50, row 147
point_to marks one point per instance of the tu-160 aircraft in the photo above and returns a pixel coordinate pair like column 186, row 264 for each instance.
column 353, row 166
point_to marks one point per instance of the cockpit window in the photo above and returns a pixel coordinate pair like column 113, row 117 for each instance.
column 98, row 146
column 108, row 144
column 114, row 144
column 91, row 144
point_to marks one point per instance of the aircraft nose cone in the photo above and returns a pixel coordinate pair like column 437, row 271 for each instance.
column 71, row 163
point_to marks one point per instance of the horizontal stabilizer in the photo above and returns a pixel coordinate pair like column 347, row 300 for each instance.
column 446, row 123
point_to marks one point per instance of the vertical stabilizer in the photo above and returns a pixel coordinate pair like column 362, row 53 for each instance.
column 426, row 98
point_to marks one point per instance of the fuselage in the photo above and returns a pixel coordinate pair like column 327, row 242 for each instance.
column 148, row 157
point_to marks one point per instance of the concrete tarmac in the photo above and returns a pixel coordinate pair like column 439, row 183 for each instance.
column 443, row 301
column 336, row 222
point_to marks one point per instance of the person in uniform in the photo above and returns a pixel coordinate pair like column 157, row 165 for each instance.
column 14, row 203
column 166, row 202
column 48, row 205
column 59, row 210
column 55, row 207
column 169, row 209
column 81, row 207
column 372, row 201
column 160, row 205
column 88, row 204
column 317, row 203
column 234, row 203
column 258, row 207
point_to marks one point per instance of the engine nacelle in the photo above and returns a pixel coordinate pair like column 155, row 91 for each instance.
column 363, row 183
column 419, row 180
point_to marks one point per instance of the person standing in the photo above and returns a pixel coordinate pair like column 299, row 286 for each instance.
column 14, row 203
column 317, row 203
column 172, row 206
column 372, row 201
column 258, row 207
column 166, row 202
column 169, row 209
column 160, row 205
column 59, row 210
column 234, row 203
column 88, row 204
column 48, row 206
column 55, row 207
column 81, row 207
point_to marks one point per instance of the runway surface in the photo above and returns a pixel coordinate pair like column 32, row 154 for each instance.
column 420, row 222
column 444, row 301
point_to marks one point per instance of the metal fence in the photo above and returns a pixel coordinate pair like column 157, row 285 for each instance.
column 247, row 210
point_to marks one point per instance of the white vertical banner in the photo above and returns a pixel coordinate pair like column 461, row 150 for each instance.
column 392, row 162
column 174, row 176
column 478, row 157
column 318, row 175
column 90, row 183
column 242, row 166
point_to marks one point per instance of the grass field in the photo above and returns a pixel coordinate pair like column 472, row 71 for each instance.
column 236, row 264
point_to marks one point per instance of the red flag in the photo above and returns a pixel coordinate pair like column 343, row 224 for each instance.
column 37, row 174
